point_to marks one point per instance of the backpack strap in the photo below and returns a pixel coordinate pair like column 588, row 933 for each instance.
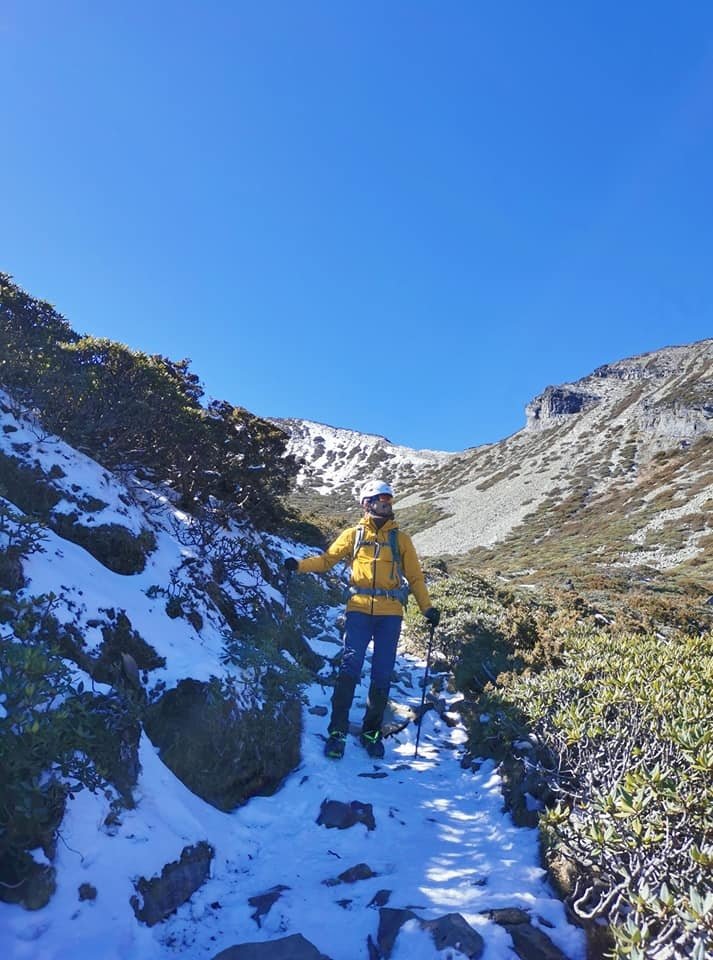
column 401, row 594
column 358, row 539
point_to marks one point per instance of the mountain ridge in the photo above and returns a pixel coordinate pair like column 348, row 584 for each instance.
column 589, row 438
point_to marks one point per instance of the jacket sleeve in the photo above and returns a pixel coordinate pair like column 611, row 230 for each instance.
column 342, row 547
column 413, row 572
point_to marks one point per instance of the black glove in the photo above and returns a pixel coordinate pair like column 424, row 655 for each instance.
column 433, row 615
column 290, row 564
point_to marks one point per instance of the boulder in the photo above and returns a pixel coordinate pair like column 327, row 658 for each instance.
column 222, row 753
column 334, row 813
column 295, row 947
column 450, row 930
column 263, row 902
column 161, row 896
column 530, row 943
column 360, row 871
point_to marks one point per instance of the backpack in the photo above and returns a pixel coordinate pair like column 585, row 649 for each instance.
column 399, row 593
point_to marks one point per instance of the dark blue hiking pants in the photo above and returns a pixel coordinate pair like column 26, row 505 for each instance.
column 361, row 630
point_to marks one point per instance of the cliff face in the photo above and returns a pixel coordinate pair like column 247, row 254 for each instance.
column 557, row 402
column 669, row 393
column 619, row 449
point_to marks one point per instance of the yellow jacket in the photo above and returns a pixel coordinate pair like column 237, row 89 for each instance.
column 373, row 568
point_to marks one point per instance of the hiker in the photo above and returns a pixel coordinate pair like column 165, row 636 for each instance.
column 381, row 556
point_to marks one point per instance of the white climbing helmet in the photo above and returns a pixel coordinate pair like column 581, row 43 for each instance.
column 372, row 488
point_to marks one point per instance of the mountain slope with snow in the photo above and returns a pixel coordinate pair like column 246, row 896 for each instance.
column 627, row 446
column 440, row 842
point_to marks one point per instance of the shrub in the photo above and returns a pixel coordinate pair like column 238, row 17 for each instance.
column 626, row 721
column 43, row 747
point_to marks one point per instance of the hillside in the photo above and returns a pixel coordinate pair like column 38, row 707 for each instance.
column 613, row 469
column 164, row 791
column 164, row 684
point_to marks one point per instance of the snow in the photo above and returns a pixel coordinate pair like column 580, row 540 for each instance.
column 442, row 842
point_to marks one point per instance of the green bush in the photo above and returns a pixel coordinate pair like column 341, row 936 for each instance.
column 487, row 630
column 141, row 412
column 627, row 724
column 43, row 749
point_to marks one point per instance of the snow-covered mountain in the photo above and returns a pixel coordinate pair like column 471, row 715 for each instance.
column 335, row 461
column 408, row 858
column 628, row 445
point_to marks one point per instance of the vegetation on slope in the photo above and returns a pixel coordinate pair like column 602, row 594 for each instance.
column 602, row 722
column 140, row 413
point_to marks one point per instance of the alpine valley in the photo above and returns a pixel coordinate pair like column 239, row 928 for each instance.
column 612, row 472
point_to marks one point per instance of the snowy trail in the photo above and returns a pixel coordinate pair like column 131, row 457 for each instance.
column 441, row 845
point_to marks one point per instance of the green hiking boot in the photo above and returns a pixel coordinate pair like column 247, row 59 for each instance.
column 334, row 747
column 373, row 743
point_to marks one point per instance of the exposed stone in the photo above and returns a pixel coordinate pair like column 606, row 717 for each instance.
column 361, row 871
column 263, row 901
column 507, row 916
column 558, row 402
column 450, row 930
column 390, row 922
column 318, row 711
column 161, row 896
column 221, row 753
column 530, row 943
column 292, row 640
column 334, row 813
column 380, row 898
column 87, row 891
column 294, row 947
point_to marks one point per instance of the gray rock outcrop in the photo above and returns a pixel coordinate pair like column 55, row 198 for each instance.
column 161, row 896
column 295, row 947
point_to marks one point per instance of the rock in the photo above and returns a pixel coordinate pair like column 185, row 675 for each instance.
column 508, row 916
column 390, row 922
column 295, row 947
column 223, row 754
column 557, row 402
column 529, row 942
column 361, row 871
column 450, row 930
column 532, row 944
column 380, row 898
column 87, row 892
column 318, row 711
column 292, row 640
column 334, row 813
column 264, row 901
column 179, row 880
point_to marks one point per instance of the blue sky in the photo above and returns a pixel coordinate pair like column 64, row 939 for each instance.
column 406, row 218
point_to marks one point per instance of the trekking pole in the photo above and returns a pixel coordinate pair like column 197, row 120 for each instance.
column 425, row 684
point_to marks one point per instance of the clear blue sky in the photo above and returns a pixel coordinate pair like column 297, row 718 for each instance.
column 402, row 217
